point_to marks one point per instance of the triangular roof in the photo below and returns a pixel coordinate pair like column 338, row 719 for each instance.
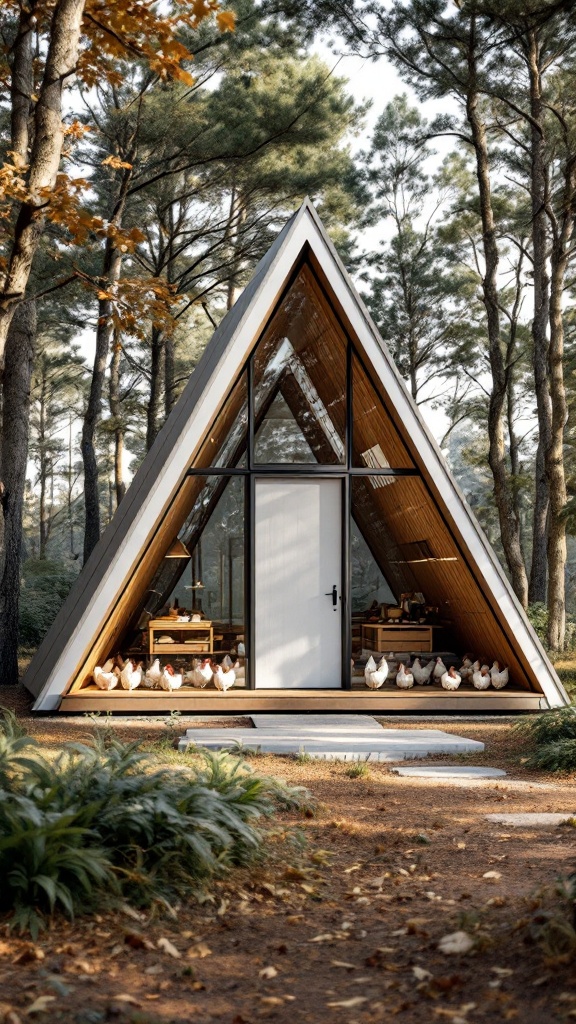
column 96, row 597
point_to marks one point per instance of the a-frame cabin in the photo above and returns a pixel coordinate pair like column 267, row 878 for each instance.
column 293, row 518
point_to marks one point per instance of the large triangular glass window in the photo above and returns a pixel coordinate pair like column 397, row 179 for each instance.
column 300, row 382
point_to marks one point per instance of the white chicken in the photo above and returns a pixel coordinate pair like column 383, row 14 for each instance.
column 170, row 680
column 152, row 675
column 404, row 678
column 105, row 677
column 422, row 673
column 481, row 678
column 466, row 668
column 369, row 667
column 201, row 674
column 392, row 662
column 375, row 677
column 224, row 678
column 382, row 664
column 450, row 679
column 439, row 669
column 131, row 675
column 499, row 678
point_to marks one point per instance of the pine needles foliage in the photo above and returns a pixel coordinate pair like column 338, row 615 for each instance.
column 102, row 821
column 554, row 757
column 553, row 735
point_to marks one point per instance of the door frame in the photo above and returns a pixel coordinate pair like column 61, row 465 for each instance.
column 298, row 472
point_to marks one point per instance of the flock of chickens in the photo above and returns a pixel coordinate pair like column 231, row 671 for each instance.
column 482, row 676
column 131, row 675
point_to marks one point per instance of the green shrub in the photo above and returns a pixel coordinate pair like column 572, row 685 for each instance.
column 554, row 757
column 104, row 820
column 45, row 585
column 47, row 862
column 550, row 726
column 567, row 675
column 553, row 734
column 538, row 615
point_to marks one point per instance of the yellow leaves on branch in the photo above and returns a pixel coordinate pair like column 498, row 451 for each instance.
column 134, row 304
column 116, row 29
column 76, row 130
column 115, row 162
column 226, row 21
column 139, row 302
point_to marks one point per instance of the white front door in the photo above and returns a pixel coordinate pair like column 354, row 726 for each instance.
column 298, row 553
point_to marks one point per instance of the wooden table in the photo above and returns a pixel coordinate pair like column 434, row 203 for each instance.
column 396, row 637
column 201, row 635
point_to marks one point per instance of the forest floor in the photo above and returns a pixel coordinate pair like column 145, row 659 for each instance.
column 342, row 921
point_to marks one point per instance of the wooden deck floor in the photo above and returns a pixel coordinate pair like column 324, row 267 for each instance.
column 243, row 701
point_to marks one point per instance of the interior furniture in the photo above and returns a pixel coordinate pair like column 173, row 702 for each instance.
column 397, row 638
column 200, row 637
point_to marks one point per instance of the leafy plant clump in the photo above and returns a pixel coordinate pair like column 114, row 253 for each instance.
column 45, row 585
column 357, row 770
column 553, row 734
column 102, row 822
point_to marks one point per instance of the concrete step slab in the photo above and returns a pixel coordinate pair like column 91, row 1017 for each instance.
column 328, row 724
column 446, row 771
column 530, row 820
column 386, row 745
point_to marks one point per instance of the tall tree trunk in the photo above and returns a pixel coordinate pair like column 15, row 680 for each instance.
column 43, row 462
column 156, row 381
column 540, row 320
column 236, row 221
column 169, row 379
column 554, row 455
column 45, row 156
column 514, row 449
column 112, row 266
column 116, row 414
column 169, row 352
column 509, row 524
column 13, row 458
column 22, row 85
column 538, row 585
column 69, row 490
column 111, row 274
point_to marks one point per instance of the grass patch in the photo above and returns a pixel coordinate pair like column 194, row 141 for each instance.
column 302, row 757
column 357, row 770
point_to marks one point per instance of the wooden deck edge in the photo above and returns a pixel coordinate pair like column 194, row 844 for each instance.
column 252, row 701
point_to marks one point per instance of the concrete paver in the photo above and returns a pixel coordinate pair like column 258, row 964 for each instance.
column 445, row 771
column 332, row 737
column 529, row 820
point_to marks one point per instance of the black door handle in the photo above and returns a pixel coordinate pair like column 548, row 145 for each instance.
column 334, row 595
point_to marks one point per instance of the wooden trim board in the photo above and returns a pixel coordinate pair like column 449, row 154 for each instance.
column 247, row 701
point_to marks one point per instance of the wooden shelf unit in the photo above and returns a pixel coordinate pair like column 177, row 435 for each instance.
column 398, row 638
column 203, row 632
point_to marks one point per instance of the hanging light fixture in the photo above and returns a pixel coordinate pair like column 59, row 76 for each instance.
column 177, row 549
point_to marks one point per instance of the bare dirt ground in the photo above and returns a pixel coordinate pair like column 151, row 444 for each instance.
column 342, row 922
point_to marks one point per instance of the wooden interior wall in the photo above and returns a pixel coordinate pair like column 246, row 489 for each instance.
column 407, row 513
